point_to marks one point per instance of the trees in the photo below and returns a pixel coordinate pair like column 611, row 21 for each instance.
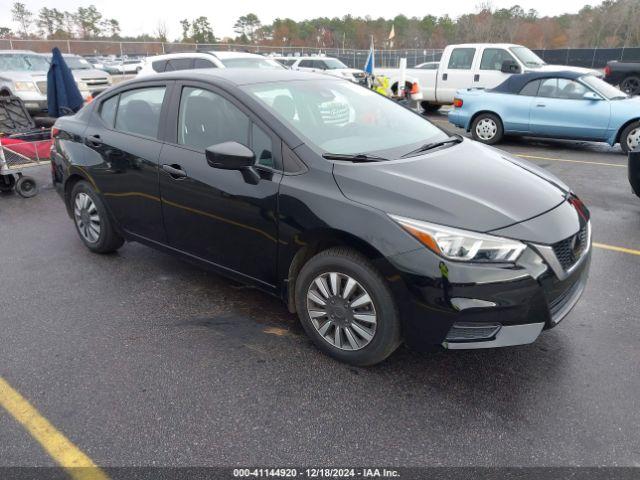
column 246, row 27
column 197, row 31
column 22, row 16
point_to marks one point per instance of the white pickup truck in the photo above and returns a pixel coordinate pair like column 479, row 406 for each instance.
column 480, row 65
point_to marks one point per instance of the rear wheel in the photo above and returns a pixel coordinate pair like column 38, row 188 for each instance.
column 630, row 137
column 631, row 85
column 346, row 307
column 92, row 220
column 487, row 128
column 429, row 107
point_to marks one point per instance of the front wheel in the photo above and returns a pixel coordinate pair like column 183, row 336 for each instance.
column 346, row 307
column 92, row 221
column 487, row 128
column 630, row 137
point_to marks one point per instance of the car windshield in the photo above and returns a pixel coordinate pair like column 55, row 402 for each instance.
column 343, row 118
column 603, row 88
column 250, row 62
column 334, row 64
column 23, row 62
column 527, row 57
column 77, row 63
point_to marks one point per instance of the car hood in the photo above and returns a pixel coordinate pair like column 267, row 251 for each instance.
column 628, row 107
column 89, row 74
column 20, row 76
column 567, row 68
column 469, row 185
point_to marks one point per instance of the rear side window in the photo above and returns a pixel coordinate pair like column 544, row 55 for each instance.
column 202, row 63
column 530, row 89
column 139, row 111
column 108, row 110
column 306, row 64
column 461, row 58
column 492, row 58
column 159, row 66
column 206, row 119
column 179, row 64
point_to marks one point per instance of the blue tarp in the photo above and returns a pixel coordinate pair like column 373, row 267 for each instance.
column 63, row 96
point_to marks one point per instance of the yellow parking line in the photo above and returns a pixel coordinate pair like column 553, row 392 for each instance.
column 534, row 157
column 613, row 248
column 59, row 447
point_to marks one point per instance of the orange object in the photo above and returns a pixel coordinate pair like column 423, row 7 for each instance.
column 457, row 102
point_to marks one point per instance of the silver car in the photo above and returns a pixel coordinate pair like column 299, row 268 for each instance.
column 24, row 74
column 90, row 80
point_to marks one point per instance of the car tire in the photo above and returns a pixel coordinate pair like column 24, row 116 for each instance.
column 358, row 306
column 487, row 128
column 429, row 107
column 26, row 187
column 630, row 137
column 92, row 221
column 631, row 85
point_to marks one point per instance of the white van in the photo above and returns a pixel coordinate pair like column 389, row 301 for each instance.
column 482, row 65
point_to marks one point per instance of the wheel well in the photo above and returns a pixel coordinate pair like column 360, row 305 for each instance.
column 68, row 187
column 475, row 115
column 317, row 242
column 621, row 129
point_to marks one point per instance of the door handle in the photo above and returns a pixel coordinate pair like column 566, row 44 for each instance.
column 476, row 77
column 175, row 171
column 93, row 141
column 445, row 76
column 541, row 105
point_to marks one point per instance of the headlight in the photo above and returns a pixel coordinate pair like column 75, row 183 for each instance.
column 26, row 86
column 462, row 245
column 83, row 86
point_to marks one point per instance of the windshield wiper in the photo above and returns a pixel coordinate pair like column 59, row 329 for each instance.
column 432, row 145
column 358, row 157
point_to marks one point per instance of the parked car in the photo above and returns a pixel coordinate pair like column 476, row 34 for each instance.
column 375, row 231
column 634, row 171
column 90, row 80
column 330, row 66
column 196, row 60
column 625, row 75
column 427, row 66
column 550, row 104
column 23, row 73
column 129, row 65
column 482, row 65
column 285, row 61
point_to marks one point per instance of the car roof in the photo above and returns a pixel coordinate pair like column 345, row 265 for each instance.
column 514, row 83
column 169, row 56
column 17, row 51
column 223, row 54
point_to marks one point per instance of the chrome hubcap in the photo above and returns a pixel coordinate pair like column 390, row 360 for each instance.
column 633, row 139
column 86, row 216
column 342, row 311
column 486, row 129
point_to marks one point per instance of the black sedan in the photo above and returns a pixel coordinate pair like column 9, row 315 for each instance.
column 371, row 223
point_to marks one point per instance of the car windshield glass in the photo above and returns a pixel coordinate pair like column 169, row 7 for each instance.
column 527, row 57
column 603, row 88
column 333, row 63
column 343, row 118
column 23, row 63
column 250, row 62
column 76, row 63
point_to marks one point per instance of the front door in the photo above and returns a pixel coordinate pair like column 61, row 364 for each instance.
column 124, row 135
column 560, row 110
column 215, row 214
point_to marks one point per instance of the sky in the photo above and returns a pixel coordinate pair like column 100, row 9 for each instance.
column 139, row 16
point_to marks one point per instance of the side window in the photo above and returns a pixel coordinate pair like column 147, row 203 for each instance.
column 179, row 64
column 492, row 58
column 139, row 111
column 262, row 146
column 206, row 119
column 461, row 58
column 159, row 66
column 306, row 64
column 320, row 65
column 108, row 110
column 530, row 89
column 563, row 88
column 202, row 63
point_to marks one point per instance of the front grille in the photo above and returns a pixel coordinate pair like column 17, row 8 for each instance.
column 569, row 250
column 42, row 86
column 94, row 82
column 466, row 332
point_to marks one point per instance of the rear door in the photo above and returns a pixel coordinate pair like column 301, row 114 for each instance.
column 559, row 110
column 124, row 134
column 214, row 214
column 456, row 73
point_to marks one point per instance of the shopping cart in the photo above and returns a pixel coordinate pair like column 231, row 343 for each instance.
column 23, row 147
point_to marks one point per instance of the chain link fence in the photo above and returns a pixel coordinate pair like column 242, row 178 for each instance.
column 384, row 58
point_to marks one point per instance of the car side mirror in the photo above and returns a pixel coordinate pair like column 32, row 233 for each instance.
column 233, row 156
column 510, row 66
column 591, row 96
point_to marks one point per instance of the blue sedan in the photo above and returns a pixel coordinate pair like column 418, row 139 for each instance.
column 567, row 105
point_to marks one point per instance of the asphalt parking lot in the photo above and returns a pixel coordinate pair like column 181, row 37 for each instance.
column 138, row 358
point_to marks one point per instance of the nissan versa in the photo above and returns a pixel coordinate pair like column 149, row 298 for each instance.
column 371, row 223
